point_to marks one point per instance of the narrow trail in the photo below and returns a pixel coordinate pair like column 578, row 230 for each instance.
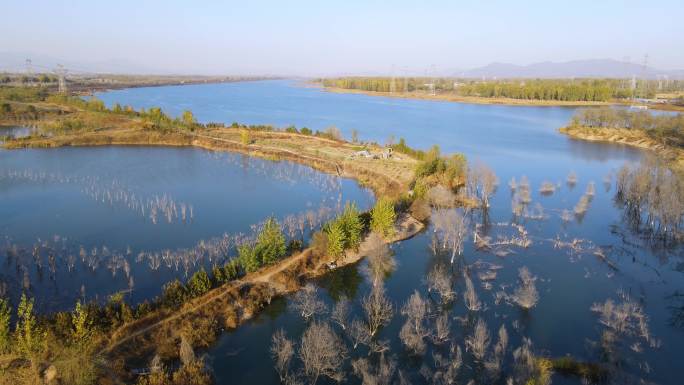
column 406, row 227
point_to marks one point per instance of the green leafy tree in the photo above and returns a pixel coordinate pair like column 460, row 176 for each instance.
column 174, row 294
column 351, row 226
column 199, row 283
column 270, row 246
column 5, row 315
column 188, row 119
column 383, row 217
column 336, row 239
column 29, row 337
column 249, row 259
column 81, row 323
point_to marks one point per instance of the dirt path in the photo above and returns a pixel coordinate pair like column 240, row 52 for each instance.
column 405, row 227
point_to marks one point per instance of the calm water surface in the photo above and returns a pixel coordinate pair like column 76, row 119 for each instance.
column 117, row 202
column 514, row 141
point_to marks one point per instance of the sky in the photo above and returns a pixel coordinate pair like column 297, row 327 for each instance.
column 316, row 38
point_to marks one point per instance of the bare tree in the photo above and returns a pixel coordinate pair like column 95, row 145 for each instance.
column 322, row 353
column 414, row 331
column 547, row 188
column 591, row 189
column 527, row 367
column 358, row 333
column 377, row 308
column 381, row 373
column 582, row 206
column 478, row 342
column 450, row 230
column 472, row 303
column 441, row 281
column 441, row 197
column 340, row 312
column 442, row 329
column 156, row 365
column 381, row 262
column 526, row 295
column 446, row 367
column 493, row 365
column 307, row 303
column 482, row 182
column 282, row 351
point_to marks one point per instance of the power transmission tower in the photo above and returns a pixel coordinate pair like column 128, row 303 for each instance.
column 61, row 78
column 29, row 71
column 29, row 68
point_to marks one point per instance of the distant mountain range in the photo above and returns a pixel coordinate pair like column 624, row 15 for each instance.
column 597, row 68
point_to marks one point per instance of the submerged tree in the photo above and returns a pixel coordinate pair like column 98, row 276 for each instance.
column 282, row 351
column 380, row 373
column 528, row 368
column 450, row 230
column 441, row 281
column 478, row 342
column 482, row 182
column 307, row 303
column 526, row 295
column 494, row 363
column 414, row 331
column 377, row 308
column 322, row 353
column 470, row 299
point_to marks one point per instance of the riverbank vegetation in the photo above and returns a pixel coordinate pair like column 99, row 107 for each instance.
column 662, row 133
column 67, row 121
column 666, row 129
column 532, row 90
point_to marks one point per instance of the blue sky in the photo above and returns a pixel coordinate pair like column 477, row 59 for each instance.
column 338, row 37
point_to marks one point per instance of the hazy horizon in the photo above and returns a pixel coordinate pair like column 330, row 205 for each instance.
column 320, row 39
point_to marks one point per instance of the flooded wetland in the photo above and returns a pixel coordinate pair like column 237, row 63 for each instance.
column 552, row 271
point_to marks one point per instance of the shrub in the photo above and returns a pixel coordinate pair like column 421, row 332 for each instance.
column 245, row 137
column 319, row 243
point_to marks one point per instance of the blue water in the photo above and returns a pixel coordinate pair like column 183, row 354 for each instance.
column 512, row 140
column 69, row 198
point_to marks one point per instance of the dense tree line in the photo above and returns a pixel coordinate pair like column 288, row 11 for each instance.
column 528, row 89
column 665, row 128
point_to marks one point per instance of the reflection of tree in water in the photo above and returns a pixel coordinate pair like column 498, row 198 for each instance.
column 277, row 307
column 341, row 282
